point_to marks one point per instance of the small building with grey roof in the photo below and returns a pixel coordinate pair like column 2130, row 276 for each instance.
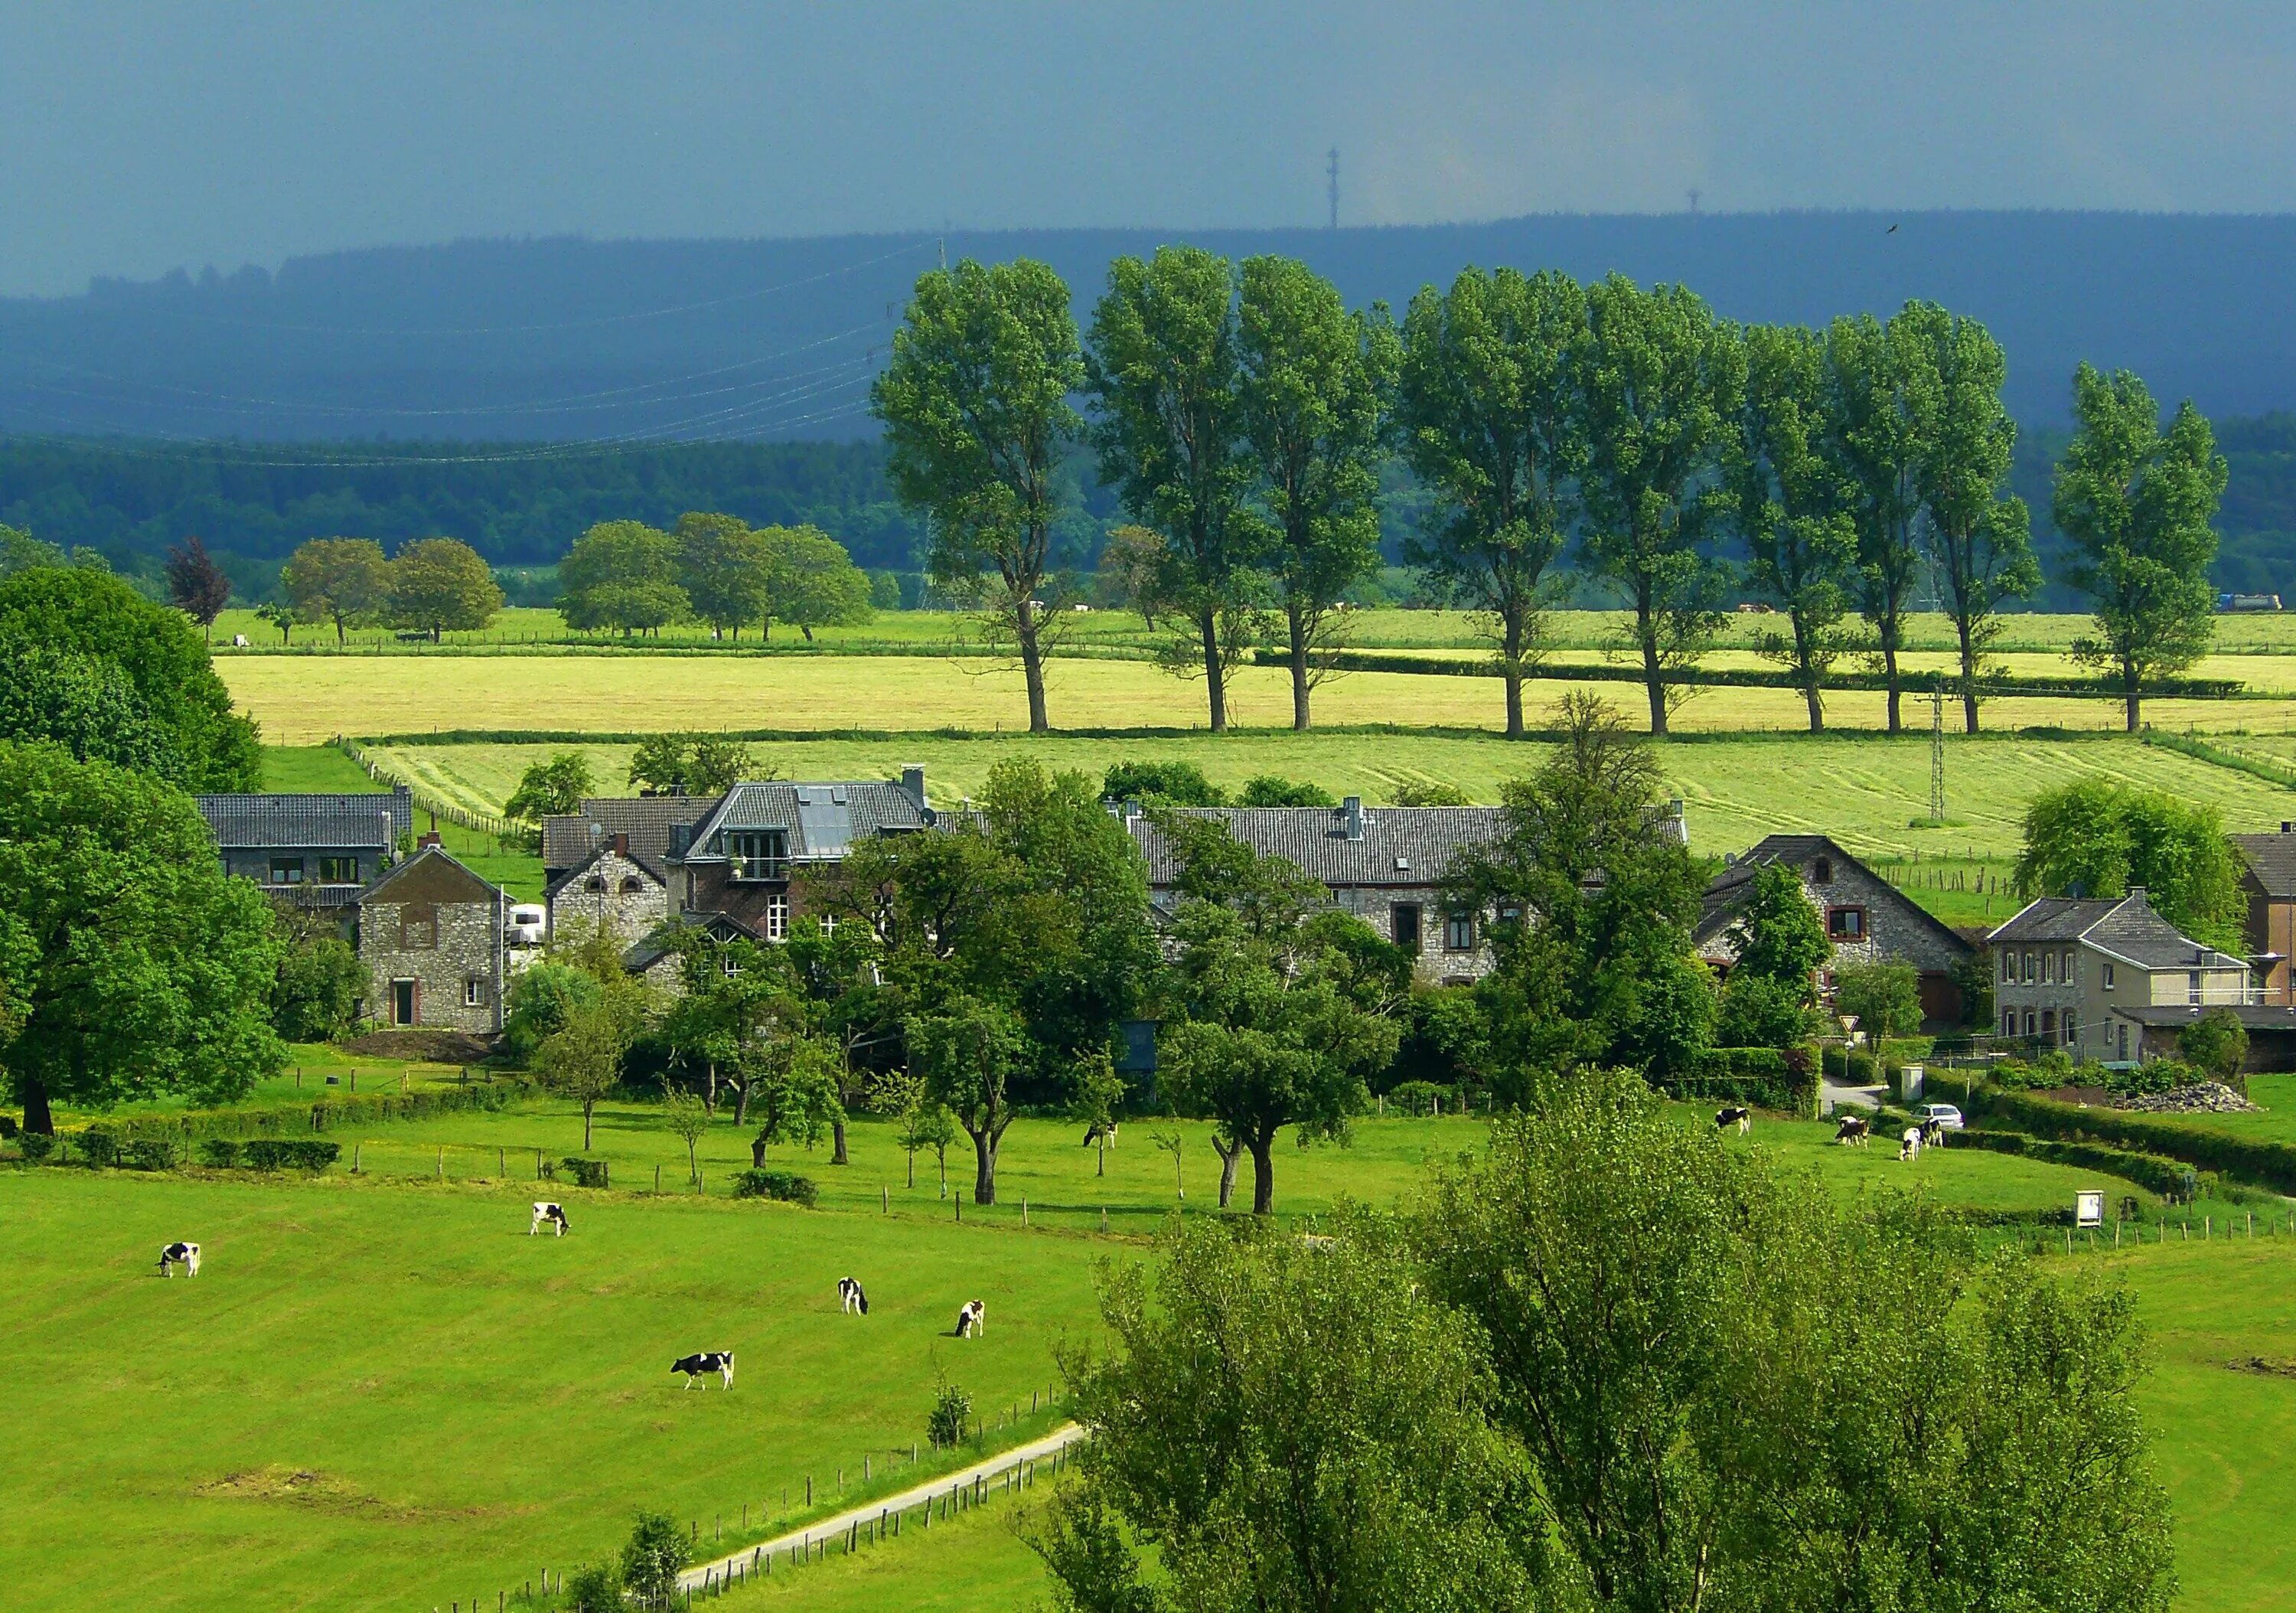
column 311, row 850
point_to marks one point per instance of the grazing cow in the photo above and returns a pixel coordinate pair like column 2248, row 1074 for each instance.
column 970, row 1317
column 1741, row 1117
column 1932, row 1134
column 1853, row 1131
column 551, row 1215
column 1909, row 1146
column 183, row 1255
column 849, row 1295
column 1091, row 1134
column 720, row 1361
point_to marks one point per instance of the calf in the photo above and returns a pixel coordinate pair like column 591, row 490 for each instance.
column 1853, row 1131
column 183, row 1255
column 970, row 1318
column 1741, row 1117
column 720, row 1361
column 1909, row 1146
column 849, row 1295
column 551, row 1215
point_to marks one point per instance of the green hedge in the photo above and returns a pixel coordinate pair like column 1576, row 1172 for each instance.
column 784, row 1185
column 1765, row 1078
column 324, row 1116
column 284, row 1153
column 2171, row 1179
column 2252, row 1159
column 587, row 1172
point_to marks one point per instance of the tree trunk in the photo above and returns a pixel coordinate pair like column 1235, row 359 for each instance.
column 913, row 1166
column 1653, row 674
column 1263, row 1176
column 1511, row 670
column 984, row 1172
column 1817, row 705
column 837, row 1132
column 742, row 1106
column 1890, row 671
column 1215, row 683
column 758, row 1151
column 1032, row 662
column 2132, row 698
column 1230, row 1157
column 37, row 1117
column 340, row 638
column 1299, row 623
column 1103, row 1156
column 589, row 1107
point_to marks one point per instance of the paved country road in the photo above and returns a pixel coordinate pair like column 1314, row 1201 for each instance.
column 749, row 1560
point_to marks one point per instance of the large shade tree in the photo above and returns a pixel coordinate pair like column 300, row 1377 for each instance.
column 725, row 567
column 441, row 585
column 1879, row 411
column 975, row 402
column 134, row 967
column 622, row 575
column 345, row 580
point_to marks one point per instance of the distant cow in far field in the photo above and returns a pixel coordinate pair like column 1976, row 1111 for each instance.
column 970, row 1317
column 183, row 1255
column 849, row 1295
column 1739, row 1116
column 1853, row 1131
column 720, row 1361
column 551, row 1215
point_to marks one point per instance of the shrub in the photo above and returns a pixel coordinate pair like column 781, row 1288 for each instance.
column 220, row 1153
column 286, row 1153
column 1414, row 1097
column 1854, row 1066
column 158, row 1153
column 1161, row 784
column 952, row 1410
column 587, row 1172
column 37, row 1145
column 2215, row 1043
column 2171, row 1179
column 1412, row 793
column 1268, row 790
column 1886, row 997
column 657, row 1550
column 1765, row 1078
column 596, row 1589
column 1761, row 1012
column 783, row 1185
column 98, row 1147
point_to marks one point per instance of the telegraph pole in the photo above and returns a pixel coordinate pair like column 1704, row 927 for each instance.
column 1937, row 751
column 1333, row 172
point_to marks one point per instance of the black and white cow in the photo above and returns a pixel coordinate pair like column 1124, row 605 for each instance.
column 1739, row 1116
column 1932, row 1134
column 1852, row 1130
column 720, row 1361
column 551, row 1215
column 970, row 1318
column 1092, row 1133
column 849, row 1295
column 183, row 1255
column 1909, row 1146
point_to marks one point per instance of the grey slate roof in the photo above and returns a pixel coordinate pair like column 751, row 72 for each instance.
column 824, row 820
column 1725, row 893
column 2126, row 926
column 2252, row 1015
column 258, row 822
column 2272, row 859
column 1400, row 845
column 650, row 950
column 568, row 842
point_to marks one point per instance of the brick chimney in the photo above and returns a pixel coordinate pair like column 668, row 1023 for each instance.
column 621, row 845
column 428, row 837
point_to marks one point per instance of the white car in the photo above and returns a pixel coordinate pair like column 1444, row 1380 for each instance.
column 1945, row 1113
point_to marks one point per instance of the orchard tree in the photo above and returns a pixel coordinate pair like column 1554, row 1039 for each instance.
column 1879, row 419
column 2135, row 504
column 552, row 788
column 196, row 585
column 975, row 403
column 623, row 575
column 1485, row 416
column 345, row 580
column 439, row 585
column 1313, row 404
column 135, row 968
column 1165, row 370
column 969, row 1052
column 725, row 567
column 1659, row 382
column 1977, row 534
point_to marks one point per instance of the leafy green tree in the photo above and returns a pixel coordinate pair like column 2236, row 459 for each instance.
column 657, row 1553
column 621, row 574
column 798, row 1083
column 1589, row 910
column 1430, row 792
column 725, row 567
column 543, row 1000
column 2100, row 838
column 85, row 703
column 1878, row 432
column 552, row 788
column 1485, row 414
column 439, row 585
column 1312, row 399
column 316, row 994
column 135, row 967
column 20, row 551
column 1977, row 534
column 1161, row 784
column 969, row 1052
column 345, row 580
column 2135, row 504
column 1759, row 1011
column 1791, row 505
column 1133, row 557
column 281, row 615
column 1659, row 382
column 1095, row 1101
column 975, row 402
column 688, row 1120
column 714, row 764
column 582, row 1059
column 1885, row 998
column 1294, row 1428
column 814, row 582
column 1268, row 790
column 196, row 584
column 660, row 762
column 1779, row 933
column 918, row 1122
column 76, row 611
column 2216, row 1044
column 1165, row 371
column 596, row 1589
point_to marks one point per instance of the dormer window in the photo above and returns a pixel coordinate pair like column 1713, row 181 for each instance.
column 758, row 854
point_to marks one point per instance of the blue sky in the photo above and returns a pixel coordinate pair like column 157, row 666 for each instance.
column 137, row 138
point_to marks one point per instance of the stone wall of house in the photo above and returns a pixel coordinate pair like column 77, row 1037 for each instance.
column 1892, row 929
column 469, row 949
column 615, row 890
column 1440, row 963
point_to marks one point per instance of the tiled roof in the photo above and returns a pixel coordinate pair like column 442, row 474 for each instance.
column 823, row 820
column 265, row 821
column 1398, row 846
column 433, row 874
column 2126, row 926
column 1725, row 893
column 567, row 842
column 2272, row 859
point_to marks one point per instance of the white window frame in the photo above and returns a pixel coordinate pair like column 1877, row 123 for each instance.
column 474, row 992
column 777, row 918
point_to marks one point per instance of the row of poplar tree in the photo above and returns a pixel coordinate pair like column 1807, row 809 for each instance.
column 1243, row 413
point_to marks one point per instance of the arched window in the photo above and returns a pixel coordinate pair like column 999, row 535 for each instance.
column 594, row 884
column 1822, row 870
column 632, row 884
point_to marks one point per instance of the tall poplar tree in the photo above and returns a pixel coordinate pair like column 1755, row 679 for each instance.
column 1165, row 370
column 2136, row 503
column 975, row 402
column 1878, row 434
column 1659, row 382
column 1977, row 533
column 1313, row 394
column 1484, row 415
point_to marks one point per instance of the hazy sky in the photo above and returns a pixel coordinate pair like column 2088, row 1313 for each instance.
column 136, row 138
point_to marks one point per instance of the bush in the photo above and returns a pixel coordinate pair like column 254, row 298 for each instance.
column 1764, row 1078
column 2215, row 1043
column 1761, row 1012
column 1414, row 793
column 1414, row 1097
column 2252, row 1159
column 587, row 1172
column 161, row 1153
column 37, row 1145
column 220, row 1153
column 290, row 1153
column 952, row 1411
column 651, row 1562
column 597, row 1589
column 1268, row 790
column 1885, row 998
column 1856, row 1067
column 1161, row 784
column 783, row 1185
column 98, row 1147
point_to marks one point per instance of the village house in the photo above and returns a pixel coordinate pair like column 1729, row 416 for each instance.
column 431, row 933
column 1868, row 919
column 2110, row 980
column 309, row 851
column 2268, row 880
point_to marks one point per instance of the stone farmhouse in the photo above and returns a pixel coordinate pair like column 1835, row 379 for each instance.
column 1867, row 920
column 431, row 933
column 314, row 852
column 2112, row 981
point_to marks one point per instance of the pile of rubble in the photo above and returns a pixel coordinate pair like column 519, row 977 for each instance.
column 2207, row 1098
